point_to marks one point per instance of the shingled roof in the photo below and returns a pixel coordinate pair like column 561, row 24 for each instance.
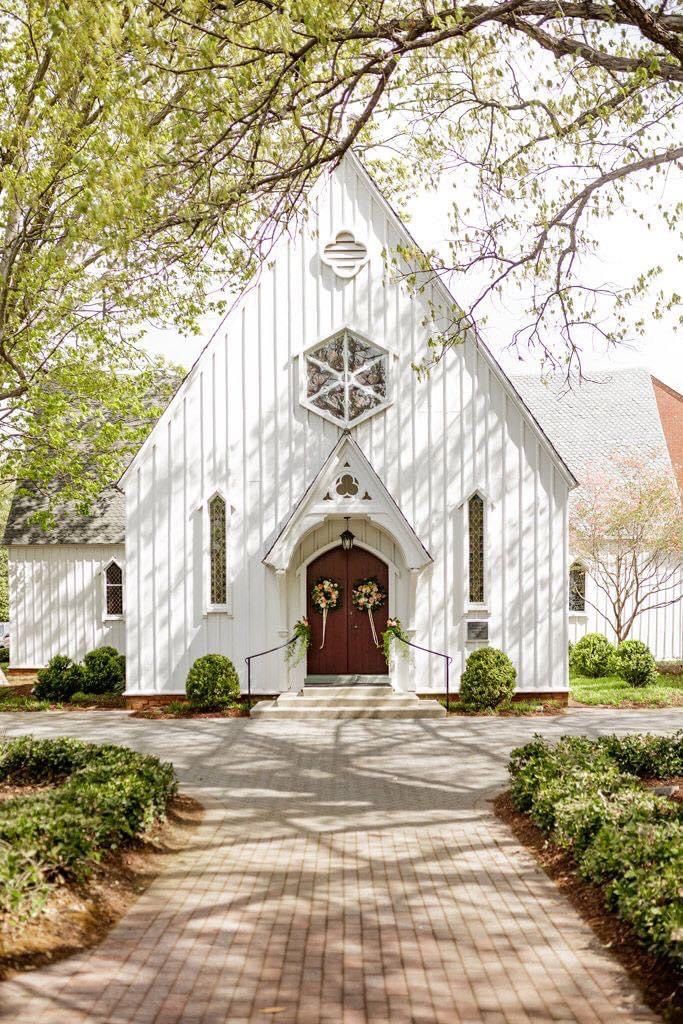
column 613, row 412
column 104, row 525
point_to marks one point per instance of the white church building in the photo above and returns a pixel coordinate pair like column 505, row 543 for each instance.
column 303, row 420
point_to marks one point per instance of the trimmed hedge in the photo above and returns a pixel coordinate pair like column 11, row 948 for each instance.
column 586, row 796
column 104, row 797
column 212, row 682
column 104, row 671
column 634, row 663
column 59, row 680
column 488, row 680
column 593, row 656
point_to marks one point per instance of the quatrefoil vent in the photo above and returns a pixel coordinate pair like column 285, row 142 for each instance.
column 345, row 254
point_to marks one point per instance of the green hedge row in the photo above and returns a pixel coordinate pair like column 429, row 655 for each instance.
column 586, row 796
column 105, row 797
column 595, row 657
column 103, row 672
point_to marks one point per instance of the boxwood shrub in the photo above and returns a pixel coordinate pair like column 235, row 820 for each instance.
column 635, row 664
column 104, row 671
column 59, row 680
column 212, row 682
column 103, row 796
column 488, row 680
column 587, row 796
column 593, row 656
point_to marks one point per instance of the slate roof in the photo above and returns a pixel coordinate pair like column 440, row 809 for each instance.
column 613, row 412
column 104, row 525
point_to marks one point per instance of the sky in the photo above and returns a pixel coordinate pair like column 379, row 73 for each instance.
column 627, row 247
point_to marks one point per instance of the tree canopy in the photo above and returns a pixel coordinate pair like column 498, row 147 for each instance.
column 150, row 151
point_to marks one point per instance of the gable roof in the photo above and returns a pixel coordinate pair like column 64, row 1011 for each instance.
column 615, row 411
column 352, row 160
column 449, row 300
column 105, row 524
column 374, row 502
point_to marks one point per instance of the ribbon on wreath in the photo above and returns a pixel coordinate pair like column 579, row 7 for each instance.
column 366, row 596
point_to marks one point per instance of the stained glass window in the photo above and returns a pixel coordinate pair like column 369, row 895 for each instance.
column 346, row 377
column 577, row 588
column 113, row 578
column 217, row 551
column 476, row 553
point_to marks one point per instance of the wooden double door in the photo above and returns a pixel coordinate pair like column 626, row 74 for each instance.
column 349, row 647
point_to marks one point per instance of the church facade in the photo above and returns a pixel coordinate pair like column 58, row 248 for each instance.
column 303, row 422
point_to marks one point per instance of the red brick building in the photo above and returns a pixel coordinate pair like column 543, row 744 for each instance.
column 670, row 405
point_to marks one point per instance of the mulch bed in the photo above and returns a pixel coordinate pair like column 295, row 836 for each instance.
column 657, row 979
column 675, row 780
column 77, row 917
column 159, row 713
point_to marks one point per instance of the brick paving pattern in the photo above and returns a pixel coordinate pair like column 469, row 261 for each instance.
column 345, row 873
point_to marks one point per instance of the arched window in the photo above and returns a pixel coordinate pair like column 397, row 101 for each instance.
column 113, row 586
column 577, row 588
column 217, row 551
column 476, row 548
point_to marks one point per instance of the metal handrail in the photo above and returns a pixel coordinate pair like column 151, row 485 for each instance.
column 261, row 654
column 439, row 654
column 409, row 643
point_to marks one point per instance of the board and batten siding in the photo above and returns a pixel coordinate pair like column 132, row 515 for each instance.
column 57, row 602
column 237, row 427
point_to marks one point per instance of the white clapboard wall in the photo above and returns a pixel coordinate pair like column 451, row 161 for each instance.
column 57, row 601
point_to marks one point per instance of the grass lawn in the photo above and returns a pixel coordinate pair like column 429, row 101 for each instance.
column 615, row 692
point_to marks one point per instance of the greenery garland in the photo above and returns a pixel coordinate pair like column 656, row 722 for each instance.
column 296, row 652
column 395, row 641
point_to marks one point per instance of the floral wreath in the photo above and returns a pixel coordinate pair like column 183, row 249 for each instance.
column 366, row 596
column 326, row 596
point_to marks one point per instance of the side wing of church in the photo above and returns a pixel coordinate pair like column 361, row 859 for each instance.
column 306, row 420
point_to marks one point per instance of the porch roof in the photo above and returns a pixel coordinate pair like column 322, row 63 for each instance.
column 314, row 508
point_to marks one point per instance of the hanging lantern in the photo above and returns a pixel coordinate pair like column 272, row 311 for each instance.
column 347, row 538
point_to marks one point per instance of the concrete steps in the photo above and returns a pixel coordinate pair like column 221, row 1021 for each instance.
column 329, row 702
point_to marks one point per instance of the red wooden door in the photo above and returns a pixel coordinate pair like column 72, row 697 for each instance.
column 349, row 648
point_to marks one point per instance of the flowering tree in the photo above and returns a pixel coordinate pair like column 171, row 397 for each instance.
column 626, row 528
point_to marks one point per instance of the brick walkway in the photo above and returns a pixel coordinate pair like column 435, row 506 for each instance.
column 348, row 873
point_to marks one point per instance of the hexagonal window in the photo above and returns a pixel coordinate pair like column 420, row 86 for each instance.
column 346, row 378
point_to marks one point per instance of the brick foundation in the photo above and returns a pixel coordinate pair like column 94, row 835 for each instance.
column 148, row 701
column 21, row 676
column 561, row 698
